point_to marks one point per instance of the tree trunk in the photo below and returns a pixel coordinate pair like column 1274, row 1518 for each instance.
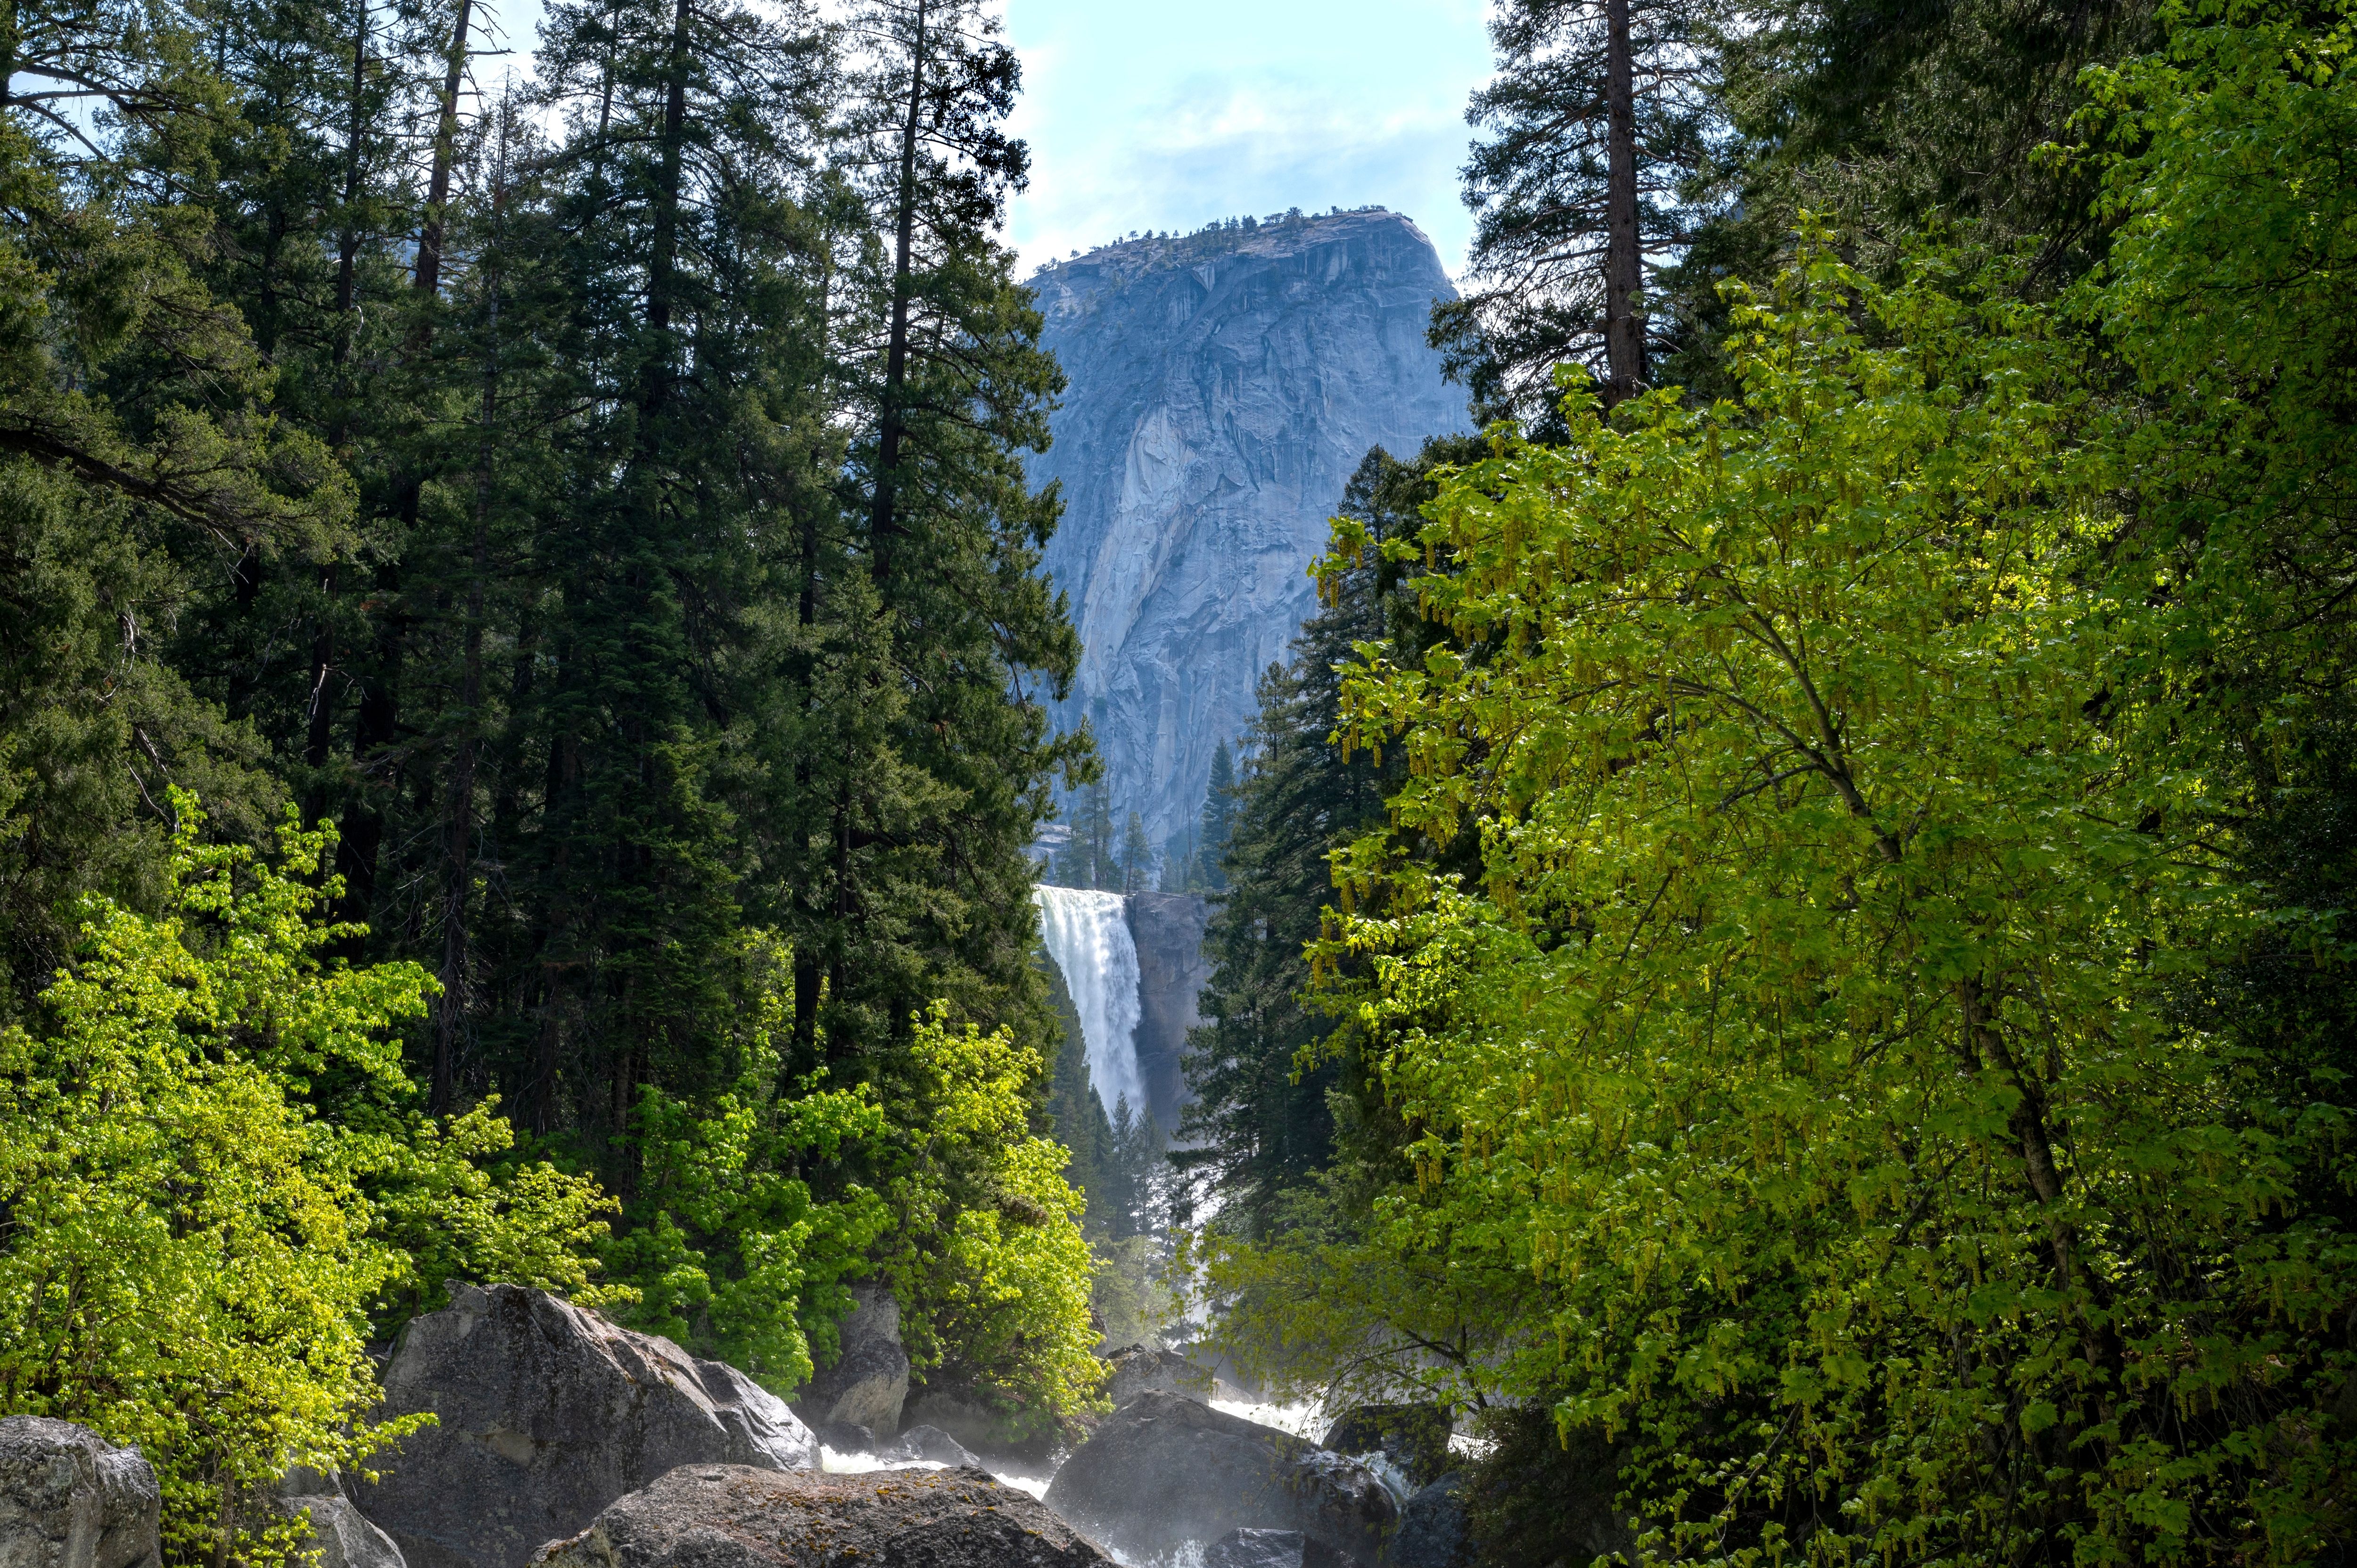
column 664, row 263
column 379, row 713
column 548, row 1054
column 348, row 241
column 882, row 524
column 319, row 719
column 458, row 821
column 806, row 978
column 1984, row 1045
column 541, row 1108
column 8, row 43
column 1624, row 328
column 437, row 186
column 458, row 833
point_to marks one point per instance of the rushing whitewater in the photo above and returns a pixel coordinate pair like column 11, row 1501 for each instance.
column 1088, row 937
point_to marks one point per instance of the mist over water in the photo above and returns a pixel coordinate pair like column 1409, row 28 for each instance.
column 1088, row 937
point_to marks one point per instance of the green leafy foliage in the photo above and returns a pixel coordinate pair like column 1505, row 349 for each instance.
column 455, row 1203
column 192, row 1256
column 1854, row 966
column 729, row 1249
column 187, row 1258
column 986, row 1254
column 1806, row 1036
column 752, row 1216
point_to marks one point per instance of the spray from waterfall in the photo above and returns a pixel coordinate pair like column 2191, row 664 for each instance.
column 1088, row 937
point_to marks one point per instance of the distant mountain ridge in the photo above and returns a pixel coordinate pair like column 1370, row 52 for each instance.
column 1224, row 386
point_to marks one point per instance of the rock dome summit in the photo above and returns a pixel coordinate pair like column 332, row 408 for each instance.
column 1223, row 385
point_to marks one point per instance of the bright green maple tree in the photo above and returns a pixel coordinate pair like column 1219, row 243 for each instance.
column 191, row 1253
column 985, row 1253
column 938, row 1183
column 1808, row 1041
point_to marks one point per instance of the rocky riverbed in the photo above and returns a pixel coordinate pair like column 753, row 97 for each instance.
column 562, row 1441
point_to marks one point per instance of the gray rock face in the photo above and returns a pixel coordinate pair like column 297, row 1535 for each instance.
column 1269, row 1549
column 340, row 1534
column 1167, row 930
column 1164, row 1470
column 547, row 1413
column 869, row 1381
column 729, row 1517
column 1433, row 1532
column 69, row 1498
column 1137, row 1370
column 844, row 1437
column 1222, row 388
column 932, row 1444
column 1413, row 1438
column 969, row 1419
column 1228, row 1380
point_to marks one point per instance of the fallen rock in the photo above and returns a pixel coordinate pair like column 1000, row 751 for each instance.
column 930, row 1442
column 726, row 1516
column 973, row 1420
column 868, row 1382
column 844, row 1437
column 69, row 1498
column 1165, row 1469
column 1228, row 1380
column 341, row 1533
column 1413, row 1438
column 1270, row 1549
column 1433, row 1532
column 547, row 1413
column 1137, row 1370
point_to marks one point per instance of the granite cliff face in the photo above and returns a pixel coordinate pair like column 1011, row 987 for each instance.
column 1168, row 928
column 1224, row 386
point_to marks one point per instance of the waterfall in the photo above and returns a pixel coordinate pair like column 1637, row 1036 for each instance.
column 1088, row 936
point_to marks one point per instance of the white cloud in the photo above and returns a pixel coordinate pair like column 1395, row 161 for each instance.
column 1162, row 116
column 1169, row 113
column 1217, row 149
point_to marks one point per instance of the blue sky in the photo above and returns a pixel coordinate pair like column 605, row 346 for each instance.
column 1160, row 114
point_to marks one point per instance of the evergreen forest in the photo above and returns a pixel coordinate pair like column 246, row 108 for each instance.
column 522, row 694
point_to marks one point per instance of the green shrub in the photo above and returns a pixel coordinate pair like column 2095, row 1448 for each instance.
column 190, row 1255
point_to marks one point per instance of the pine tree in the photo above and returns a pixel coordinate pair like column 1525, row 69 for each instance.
column 1178, row 869
column 1260, row 1125
column 1218, row 822
column 1888, row 114
column 943, row 372
column 1136, row 1200
column 1137, row 861
column 683, row 273
column 1600, row 114
column 1089, row 860
column 140, row 457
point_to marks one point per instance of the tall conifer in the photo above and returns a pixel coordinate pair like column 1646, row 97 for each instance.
column 1600, row 114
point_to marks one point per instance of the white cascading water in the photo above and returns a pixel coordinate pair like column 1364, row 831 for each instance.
column 1088, row 937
